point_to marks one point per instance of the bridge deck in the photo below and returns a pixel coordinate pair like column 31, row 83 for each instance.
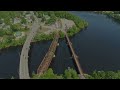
column 49, row 55
column 23, row 67
column 75, row 57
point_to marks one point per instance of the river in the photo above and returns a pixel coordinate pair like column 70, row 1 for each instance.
column 98, row 48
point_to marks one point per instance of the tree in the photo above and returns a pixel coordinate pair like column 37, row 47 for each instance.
column 49, row 74
column 71, row 74
column 1, row 21
column 2, row 33
column 110, row 75
column 104, row 75
column 98, row 75
column 8, row 31
column 7, row 39
column 23, row 21
column 15, row 27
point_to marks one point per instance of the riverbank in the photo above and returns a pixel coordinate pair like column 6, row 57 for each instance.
column 40, row 37
column 115, row 15
column 72, row 74
column 79, row 25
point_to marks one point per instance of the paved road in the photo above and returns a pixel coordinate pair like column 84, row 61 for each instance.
column 23, row 67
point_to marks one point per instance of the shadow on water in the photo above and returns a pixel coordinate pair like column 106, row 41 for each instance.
column 29, row 60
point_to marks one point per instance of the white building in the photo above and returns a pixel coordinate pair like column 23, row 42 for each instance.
column 17, row 20
column 28, row 18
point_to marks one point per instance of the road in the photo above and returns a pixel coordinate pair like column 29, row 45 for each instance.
column 23, row 67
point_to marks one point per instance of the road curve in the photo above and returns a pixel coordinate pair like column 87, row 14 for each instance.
column 23, row 67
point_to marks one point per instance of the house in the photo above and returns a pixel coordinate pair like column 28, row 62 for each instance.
column 28, row 18
column 19, row 34
column 17, row 20
column 46, row 17
column 23, row 26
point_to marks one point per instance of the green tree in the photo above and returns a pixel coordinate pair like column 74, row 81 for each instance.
column 2, row 33
column 98, row 75
column 7, row 39
column 49, row 74
column 8, row 32
column 23, row 21
column 71, row 74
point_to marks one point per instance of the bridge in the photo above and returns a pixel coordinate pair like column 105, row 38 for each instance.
column 49, row 55
column 51, row 52
column 75, row 57
column 23, row 66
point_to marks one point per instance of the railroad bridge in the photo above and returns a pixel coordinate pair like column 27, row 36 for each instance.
column 44, row 65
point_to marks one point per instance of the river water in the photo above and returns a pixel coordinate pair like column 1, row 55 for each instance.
column 98, row 48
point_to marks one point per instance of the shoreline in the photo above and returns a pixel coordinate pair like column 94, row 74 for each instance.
column 37, row 41
column 80, row 25
column 111, row 15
